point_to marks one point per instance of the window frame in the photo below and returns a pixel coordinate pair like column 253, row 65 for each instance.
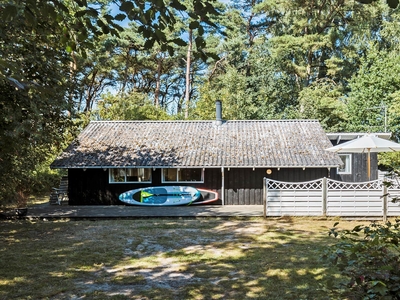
column 177, row 176
column 348, row 163
column 111, row 170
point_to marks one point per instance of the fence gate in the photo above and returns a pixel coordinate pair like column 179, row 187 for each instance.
column 327, row 197
column 294, row 198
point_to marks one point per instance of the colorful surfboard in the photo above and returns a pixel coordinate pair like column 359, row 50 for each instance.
column 161, row 196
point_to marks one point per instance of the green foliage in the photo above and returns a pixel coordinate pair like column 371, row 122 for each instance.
column 389, row 160
column 42, row 179
column 80, row 21
column 34, row 114
column 322, row 101
column 94, row 72
column 246, row 78
column 279, row 59
column 134, row 106
column 369, row 256
column 66, row 23
column 55, row 60
column 290, row 59
column 316, row 39
column 373, row 88
column 32, row 128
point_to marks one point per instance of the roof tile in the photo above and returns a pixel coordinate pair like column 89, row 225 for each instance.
column 271, row 143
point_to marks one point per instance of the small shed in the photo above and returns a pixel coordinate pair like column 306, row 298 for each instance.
column 230, row 157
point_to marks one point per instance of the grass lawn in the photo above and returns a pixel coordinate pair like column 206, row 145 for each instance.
column 206, row 258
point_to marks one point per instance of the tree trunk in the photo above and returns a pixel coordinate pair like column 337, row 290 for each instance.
column 188, row 63
column 158, row 84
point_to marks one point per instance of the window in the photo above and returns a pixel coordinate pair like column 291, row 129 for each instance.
column 130, row 175
column 346, row 167
column 183, row 175
column 170, row 174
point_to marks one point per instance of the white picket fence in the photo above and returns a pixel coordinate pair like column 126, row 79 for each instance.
column 327, row 197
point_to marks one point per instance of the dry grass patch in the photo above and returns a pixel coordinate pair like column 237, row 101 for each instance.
column 165, row 259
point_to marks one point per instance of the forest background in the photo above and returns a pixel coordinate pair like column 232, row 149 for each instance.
column 64, row 63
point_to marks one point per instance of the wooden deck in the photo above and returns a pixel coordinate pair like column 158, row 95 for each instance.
column 46, row 211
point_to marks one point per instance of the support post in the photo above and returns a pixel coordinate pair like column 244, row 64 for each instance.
column 265, row 182
column 223, row 185
column 385, row 204
column 324, row 196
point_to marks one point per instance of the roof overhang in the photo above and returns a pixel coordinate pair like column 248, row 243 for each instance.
column 348, row 136
column 199, row 167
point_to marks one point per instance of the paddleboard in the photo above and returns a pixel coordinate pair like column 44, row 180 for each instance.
column 161, row 196
column 207, row 197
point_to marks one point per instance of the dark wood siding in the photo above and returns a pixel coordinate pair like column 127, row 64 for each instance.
column 92, row 187
column 245, row 186
column 242, row 186
column 359, row 170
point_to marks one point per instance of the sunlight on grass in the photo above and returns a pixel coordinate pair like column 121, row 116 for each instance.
column 281, row 274
column 165, row 259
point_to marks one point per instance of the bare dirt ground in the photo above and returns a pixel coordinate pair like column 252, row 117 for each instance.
column 168, row 272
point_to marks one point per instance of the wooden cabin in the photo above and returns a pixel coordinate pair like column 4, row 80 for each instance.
column 230, row 157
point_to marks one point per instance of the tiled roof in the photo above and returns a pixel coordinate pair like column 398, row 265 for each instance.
column 279, row 143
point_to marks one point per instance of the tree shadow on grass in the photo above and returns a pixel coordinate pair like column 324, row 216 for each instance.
column 164, row 259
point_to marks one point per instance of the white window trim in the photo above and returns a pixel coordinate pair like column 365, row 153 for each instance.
column 123, row 182
column 190, row 181
column 349, row 164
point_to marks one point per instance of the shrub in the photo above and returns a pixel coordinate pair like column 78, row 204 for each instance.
column 42, row 180
column 369, row 257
